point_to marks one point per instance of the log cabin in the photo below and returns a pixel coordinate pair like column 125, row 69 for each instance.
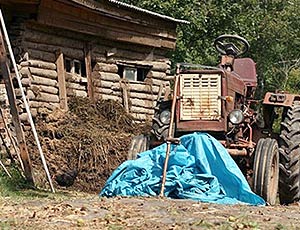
column 101, row 49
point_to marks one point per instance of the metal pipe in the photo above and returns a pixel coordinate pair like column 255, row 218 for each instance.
column 25, row 102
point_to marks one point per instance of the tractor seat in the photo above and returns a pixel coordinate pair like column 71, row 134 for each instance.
column 246, row 70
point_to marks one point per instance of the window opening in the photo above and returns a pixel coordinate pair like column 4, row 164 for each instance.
column 133, row 73
column 75, row 66
column 130, row 73
column 68, row 65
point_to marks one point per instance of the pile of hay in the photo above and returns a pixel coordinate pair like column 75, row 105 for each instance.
column 91, row 138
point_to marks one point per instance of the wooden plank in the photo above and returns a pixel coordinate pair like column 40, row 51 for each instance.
column 41, row 55
column 43, row 81
column 38, row 33
column 126, row 54
column 136, row 109
column 39, row 104
column 72, row 22
column 52, row 74
column 20, row 1
column 104, row 67
column 124, row 88
column 70, row 52
column 113, row 77
column 76, row 93
column 77, row 86
column 88, row 67
column 38, row 64
column 14, row 112
column 63, row 101
column 46, row 89
column 144, row 26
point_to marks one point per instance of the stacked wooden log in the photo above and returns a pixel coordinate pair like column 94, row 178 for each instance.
column 40, row 73
column 39, row 78
column 76, row 85
column 138, row 97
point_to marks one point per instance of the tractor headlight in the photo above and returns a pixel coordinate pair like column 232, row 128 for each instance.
column 236, row 116
column 165, row 117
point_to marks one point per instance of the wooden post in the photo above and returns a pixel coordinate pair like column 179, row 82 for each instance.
column 170, row 136
column 88, row 67
column 14, row 112
column 124, row 88
column 63, row 101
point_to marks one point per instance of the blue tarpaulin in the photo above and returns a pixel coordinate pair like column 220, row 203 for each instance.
column 200, row 168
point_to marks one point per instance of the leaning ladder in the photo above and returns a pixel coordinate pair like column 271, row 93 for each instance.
column 13, row 107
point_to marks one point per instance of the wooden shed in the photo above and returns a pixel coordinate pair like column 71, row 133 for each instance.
column 102, row 49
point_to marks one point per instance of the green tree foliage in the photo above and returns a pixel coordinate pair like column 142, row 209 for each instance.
column 272, row 28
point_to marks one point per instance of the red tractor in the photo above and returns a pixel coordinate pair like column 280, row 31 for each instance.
column 220, row 101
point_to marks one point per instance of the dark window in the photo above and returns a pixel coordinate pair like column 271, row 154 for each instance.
column 142, row 73
column 133, row 73
column 68, row 65
column 75, row 66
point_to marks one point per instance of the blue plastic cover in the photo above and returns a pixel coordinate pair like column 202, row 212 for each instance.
column 200, row 168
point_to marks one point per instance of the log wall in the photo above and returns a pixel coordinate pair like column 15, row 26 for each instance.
column 41, row 47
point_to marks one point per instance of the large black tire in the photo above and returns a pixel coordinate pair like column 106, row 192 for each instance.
column 289, row 141
column 138, row 144
column 266, row 170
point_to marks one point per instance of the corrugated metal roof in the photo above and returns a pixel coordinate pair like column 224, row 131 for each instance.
column 131, row 7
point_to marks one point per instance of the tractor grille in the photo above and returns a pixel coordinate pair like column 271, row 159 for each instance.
column 199, row 96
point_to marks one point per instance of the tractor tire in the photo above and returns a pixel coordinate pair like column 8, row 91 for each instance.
column 138, row 144
column 266, row 170
column 289, row 142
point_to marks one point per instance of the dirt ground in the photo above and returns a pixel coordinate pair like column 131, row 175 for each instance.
column 83, row 147
column 85, row 211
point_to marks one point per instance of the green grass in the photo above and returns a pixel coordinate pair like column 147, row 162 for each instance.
column 12, row 186
column 18, row 187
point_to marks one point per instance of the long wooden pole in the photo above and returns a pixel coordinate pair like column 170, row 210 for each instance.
column 14, row 112
column 169, row 136
column 25, row 101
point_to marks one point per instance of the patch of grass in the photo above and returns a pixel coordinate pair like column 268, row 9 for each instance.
column 18, row 187
column 12, row 186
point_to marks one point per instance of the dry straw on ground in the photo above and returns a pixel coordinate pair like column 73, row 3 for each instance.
column 91, row 139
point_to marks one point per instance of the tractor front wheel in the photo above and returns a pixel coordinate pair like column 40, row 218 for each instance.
column 289, row 141
column 266, row 169
column 138, row 144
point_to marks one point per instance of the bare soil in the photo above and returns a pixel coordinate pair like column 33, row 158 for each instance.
column 92, row 139
column 86, row 211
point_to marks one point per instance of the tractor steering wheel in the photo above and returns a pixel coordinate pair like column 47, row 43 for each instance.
column 231, row 45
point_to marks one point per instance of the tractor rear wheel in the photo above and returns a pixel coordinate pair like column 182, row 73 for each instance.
column 266, row 169
column 289, row 141
column 138, row 144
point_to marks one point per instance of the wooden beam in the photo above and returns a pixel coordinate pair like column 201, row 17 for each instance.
column 14, row 112
column 88, row 67
column 68, row 17
column 61, row 81
column 27, row 2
